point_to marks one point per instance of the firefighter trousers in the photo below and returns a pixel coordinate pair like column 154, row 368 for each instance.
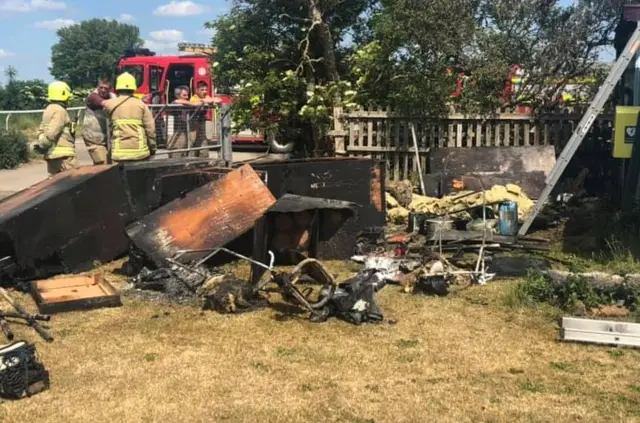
column 198, row 138
column 98, row 153
column 62, row 164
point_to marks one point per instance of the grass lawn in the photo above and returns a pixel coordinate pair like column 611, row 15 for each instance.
column 466, row 357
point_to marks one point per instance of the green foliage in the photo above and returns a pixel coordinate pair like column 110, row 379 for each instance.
column 575, row 293
column 89, row 50
column 13, row 149
column 11, row 73
column 536, row 288
column 23, row 95
column 291, row 61
column 288, row 75
column 411, row 45
column 405, row 64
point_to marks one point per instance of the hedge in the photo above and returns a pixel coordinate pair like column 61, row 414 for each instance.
column 13, row 149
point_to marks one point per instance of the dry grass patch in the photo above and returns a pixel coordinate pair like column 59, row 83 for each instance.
column 463, row 358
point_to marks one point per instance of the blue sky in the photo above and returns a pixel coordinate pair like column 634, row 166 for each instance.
column 28, row 27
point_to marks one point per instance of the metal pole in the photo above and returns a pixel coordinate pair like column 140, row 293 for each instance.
column 636, row 81
column 188, row 125
column 225, row 134
column 415, row 145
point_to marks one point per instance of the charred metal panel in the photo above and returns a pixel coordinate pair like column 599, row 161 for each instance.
column 177, row 185
column 142, row 179
column 290, row 203
column 527, row 167
column 207, row 217
column 67, row 222
column 348, row 179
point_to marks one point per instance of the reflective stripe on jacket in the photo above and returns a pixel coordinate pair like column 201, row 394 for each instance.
column 54, row 133
column 134, row 129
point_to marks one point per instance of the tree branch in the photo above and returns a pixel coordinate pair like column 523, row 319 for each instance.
column 295, row 18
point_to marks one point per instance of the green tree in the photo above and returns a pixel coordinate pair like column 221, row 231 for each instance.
column 11, row 73
column 411, row 44
column 552, row 42
column 23, row 95
column 286, row 60
column 90, row 49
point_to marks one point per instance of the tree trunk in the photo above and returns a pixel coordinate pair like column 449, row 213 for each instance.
column 326, row 40
column 322, row 145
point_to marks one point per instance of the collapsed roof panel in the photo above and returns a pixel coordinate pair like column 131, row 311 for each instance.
column 207, row 217
column 67, row 222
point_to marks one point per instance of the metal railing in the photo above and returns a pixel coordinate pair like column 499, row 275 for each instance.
column 191, row 130
column 180, row 130
column 79, row 111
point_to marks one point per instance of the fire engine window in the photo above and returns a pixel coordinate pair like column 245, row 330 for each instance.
column 155, row 76
column 137, row 71
column 180, row 75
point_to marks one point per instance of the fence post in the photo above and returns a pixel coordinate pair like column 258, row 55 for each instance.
column 225, row 134
column 338, row 131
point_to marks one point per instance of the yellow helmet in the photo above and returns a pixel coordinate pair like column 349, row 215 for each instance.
column 59, row 91
column 126, row 81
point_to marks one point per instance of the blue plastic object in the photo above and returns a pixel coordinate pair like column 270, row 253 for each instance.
column 508, row 218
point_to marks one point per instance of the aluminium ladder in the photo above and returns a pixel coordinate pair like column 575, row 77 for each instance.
column 595, row 108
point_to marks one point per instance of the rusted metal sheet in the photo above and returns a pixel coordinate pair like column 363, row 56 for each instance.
column 377, row 188
column 66, row 223
column 527, row 167
column 207, row 217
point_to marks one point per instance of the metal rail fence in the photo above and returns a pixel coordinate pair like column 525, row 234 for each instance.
column 180, row 130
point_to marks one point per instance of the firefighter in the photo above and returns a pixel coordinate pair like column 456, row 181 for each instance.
column 56, row 134
column 94, row 127
column 133, row 127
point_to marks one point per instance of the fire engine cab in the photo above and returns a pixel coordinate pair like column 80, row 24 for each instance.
column 158, row 76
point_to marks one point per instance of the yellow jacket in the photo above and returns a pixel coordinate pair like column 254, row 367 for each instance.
column 134, row 129
column 54, row 133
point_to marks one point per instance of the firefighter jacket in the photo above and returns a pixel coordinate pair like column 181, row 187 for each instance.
column 55, row 133
column 94, row 125
column 134, row 129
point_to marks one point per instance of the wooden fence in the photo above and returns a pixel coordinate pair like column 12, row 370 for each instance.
column 383, row 135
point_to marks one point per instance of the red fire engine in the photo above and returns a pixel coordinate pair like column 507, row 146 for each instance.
column 158, row 76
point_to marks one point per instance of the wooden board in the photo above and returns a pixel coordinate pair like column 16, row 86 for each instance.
column 74, row 293
column 604, row 332
column 206, row 218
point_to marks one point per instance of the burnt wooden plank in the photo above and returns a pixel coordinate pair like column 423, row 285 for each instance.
column 207, row 217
